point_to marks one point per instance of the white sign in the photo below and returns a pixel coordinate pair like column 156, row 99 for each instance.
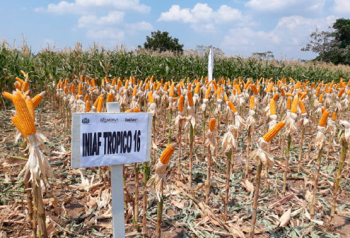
column 112, row 138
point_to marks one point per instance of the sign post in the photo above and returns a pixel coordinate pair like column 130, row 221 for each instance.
column 210, row 64
column 112, row 138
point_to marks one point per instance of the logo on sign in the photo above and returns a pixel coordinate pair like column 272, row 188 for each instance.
column 85, row 121
column 111, row 120
column 131, row 119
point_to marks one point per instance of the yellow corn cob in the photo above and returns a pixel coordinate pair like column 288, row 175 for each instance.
column 320, row 100
column 80, row 92
column 134, row 91
column 255, row 90
column 215, row 84
column 7, row 95
column 238, row 89
column 252, row 102
column 21, row 81
column 25, row 86
column 323, row 120
column 18, row 124
column 96, row 102
column 93, row 88
column 198, row 86
column 65, row 90
column 127, row 83
column 232, row 107
column 30, row 106
column 275, row 97
column 73, row 89
column 207, row 93
column 289, row 103
column 182, row 84
column 77, row 97
column 167, row 153
column 147, row 86
column 295, row 104
column 181, row 103
column 341, row 92
column 178, row 90
column 225, row 97
column 189, row 87
column 269, row 87
column 158, row 86
column 86, row 97
column 212, row 124
column 303, row 95
column 18, row 85
column 190, row 98
column 150, row 97
column 274, row 131
column 272, row 107
column 218, row 94
column 110, row 97
column 283, row 92
column 323, row 109
column 334, row 116
column 114, row 81
column 171, row 92
column 87, row 106
column 100, row 104
column 246, row 86
column 24, row 114
column 165, row 88
column 302, row 107
column 318, row 91
column 66, row 82
column 37, row 99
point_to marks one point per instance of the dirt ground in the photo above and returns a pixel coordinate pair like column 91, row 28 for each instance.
column 77, row 203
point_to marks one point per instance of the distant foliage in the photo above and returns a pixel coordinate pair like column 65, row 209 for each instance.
column 161, row 41
column 332, row 46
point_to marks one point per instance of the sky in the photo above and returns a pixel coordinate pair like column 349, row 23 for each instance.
column 238, row 27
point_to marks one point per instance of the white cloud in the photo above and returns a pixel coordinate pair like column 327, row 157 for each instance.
column 106, row 34
column 133, row 28
column 227, row 14
column 201, row 16
column 85, row 6
column 286, row 6
column 342, row 6
column 111, row 26
column 114, row 17
column 289, row 35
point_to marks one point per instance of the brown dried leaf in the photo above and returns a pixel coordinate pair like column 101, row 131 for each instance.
column 284, row 220
column 179, row 205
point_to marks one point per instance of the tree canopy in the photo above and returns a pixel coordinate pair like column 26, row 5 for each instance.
column 333, row 45
column 163, row 42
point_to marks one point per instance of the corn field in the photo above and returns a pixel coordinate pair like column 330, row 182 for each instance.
column 248, row 156
column 52, row 64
